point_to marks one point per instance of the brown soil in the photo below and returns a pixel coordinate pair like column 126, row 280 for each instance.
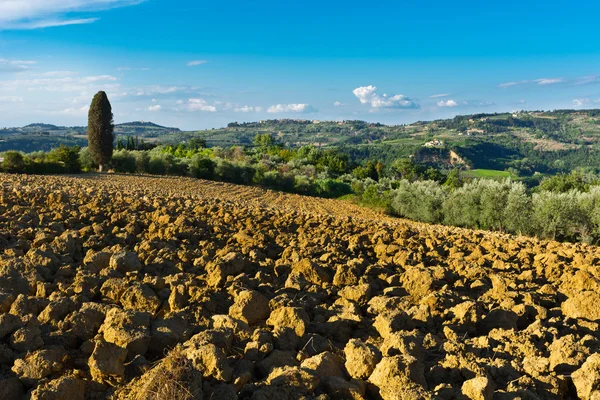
column 131, row 287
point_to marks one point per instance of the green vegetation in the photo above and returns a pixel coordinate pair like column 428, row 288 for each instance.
column 536, row 173
column 488, row 173
column 562, row 207
column 100, row 130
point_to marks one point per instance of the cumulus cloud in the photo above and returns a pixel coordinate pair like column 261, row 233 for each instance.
column 338, row 104
column 292, row 108
column 35, row 14
column 154, row 108
column 195, row 63
column 447, row 103
column 201, row 105
column 368, row 95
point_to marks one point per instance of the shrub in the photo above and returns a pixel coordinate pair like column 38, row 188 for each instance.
column 565, row 216
column 14, row 162
column 67, row 157
column 124, row 161
column 142, row 161
column 331, row 188
column 86, row 160
column 202, row 167
column 157, row 166
column 303, row 185
column 420, row 200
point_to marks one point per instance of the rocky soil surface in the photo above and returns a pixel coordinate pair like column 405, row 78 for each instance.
column 155, row 288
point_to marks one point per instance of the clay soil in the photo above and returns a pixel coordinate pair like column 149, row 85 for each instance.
column 130, row 287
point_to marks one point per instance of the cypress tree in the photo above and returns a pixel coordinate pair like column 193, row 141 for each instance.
column 100, row 129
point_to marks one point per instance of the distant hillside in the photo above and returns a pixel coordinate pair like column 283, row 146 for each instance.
column 143, row 129
column 41, row 136
column 41, row 126
column 524, row 142
column 512, row 144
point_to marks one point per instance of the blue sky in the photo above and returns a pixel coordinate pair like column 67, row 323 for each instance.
column 197, row 64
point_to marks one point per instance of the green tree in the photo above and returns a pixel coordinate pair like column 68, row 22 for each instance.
column 264, row 140
column 13, row 162
column 68, row 157
column 367, row 170
column 454, row 180
column 100, row 129
column 202, row 167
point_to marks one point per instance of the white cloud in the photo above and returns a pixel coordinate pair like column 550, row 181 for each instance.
column 83, row 85
column 34, row 14
column 581, row 102
column 11, row 99
column 201, row 105
column 509, row 84
column 447, row 103
column 541, row 81
column 14, row 65
column 548, row 81
column 368, row 95
column 338, row 104
column 587, row 80
column 159, row 89
column 130, row 69
column 247, row 109
column 76, row 111
column 464, row 103
column 437, row 96
column 292, row 108
column 53, row 74
column 154, row 108
column 195, row 63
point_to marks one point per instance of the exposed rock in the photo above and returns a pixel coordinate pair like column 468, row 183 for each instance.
column 361, row 358
column 107, row 362
column 125, row 261
column 324, row 365
column 582, row 305
column 140, row 297
column 479, row 388
column 231, row 263
column 250, row 306
column 399, row 377
column 295, row 377
column 587, row 378
column 209, row 360
column 39, row 365
column 289, row 317
column 65, row 387
column 127, row 329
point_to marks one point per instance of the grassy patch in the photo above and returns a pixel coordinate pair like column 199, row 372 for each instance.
column 488, row 174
